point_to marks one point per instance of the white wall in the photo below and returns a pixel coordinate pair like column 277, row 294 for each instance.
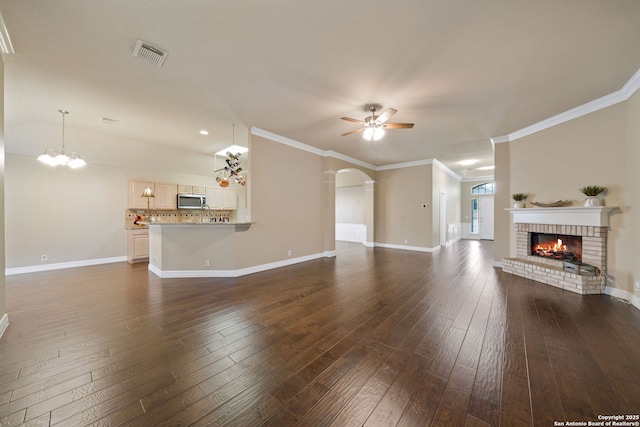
column 349, row 205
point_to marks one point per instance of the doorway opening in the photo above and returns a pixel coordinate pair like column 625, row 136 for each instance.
column 354, row 207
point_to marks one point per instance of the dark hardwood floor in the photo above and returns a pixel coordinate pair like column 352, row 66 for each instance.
column 373, row 337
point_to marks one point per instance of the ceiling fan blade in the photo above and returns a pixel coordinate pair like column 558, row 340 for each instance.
column 397, row 125
column 386, row 115
column 349, row 119
column 352, row 132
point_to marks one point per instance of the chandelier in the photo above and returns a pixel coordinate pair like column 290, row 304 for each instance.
column 52, row 157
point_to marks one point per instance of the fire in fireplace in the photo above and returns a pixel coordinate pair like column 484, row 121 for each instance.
column 557, row 246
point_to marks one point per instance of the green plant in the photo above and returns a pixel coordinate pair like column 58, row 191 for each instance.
column 592, row 190
column 519, row 197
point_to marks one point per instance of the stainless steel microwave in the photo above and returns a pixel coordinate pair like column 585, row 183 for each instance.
column 191, row 201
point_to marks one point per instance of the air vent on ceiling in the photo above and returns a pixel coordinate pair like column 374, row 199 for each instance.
column 108, row 121
column 150, row 53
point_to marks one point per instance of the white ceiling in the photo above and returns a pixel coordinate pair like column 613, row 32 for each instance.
column 463, row 71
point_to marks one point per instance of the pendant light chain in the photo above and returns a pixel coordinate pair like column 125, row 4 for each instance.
column 64, row 113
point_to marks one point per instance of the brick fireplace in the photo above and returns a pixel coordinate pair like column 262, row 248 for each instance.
column 588, row 225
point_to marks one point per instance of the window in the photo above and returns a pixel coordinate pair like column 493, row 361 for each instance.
column 474, row 216
column 486, row 188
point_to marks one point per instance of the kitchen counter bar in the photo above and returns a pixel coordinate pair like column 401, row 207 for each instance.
column 237, row 225
column 194, row 249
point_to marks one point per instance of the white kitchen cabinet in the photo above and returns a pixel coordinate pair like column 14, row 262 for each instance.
column 229, row 200
column 191, row 189
column 166, row 196
column 136, row 188
column 222, row 199
column 138, row 245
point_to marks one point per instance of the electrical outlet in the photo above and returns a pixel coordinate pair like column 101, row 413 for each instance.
column 43, row 257
column 637, row 285
column 207, row 263
column 289, row 252
column 406, row 241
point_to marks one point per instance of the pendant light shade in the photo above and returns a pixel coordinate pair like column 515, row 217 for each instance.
column 52, row 157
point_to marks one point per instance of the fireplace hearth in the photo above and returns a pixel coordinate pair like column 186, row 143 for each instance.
column 562, row 247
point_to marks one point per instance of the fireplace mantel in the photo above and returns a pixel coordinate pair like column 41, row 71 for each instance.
column 574, row 215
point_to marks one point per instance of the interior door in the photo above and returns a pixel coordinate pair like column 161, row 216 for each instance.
column 485, row 218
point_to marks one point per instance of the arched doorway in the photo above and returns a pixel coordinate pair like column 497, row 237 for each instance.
column 354, row 197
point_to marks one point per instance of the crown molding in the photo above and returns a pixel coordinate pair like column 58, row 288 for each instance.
column 621, row 95
column 405, row 165
column 498, row 140
column 329, row 153
column 286, row 141
column 301, row 146
column 442, row 166
column 340, row 156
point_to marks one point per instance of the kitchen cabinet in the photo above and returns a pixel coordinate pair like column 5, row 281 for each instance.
column 138, row 245
column 229, row 200
column 166, row 195
column 222, row 199
column 191, row 189
column 136, row 188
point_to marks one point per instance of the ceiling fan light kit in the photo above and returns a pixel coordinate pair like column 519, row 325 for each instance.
column 373, row 126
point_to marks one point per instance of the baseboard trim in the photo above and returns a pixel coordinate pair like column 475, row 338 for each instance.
column 330, row 254
column 452, row 241
column 406, row 247
column 62, row 265
column 187, row 274
column 627, row 296
column 497, row 264
column 4, row 324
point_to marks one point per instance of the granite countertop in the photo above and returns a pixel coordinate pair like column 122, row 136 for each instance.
column 212, row 224
column 137, row 227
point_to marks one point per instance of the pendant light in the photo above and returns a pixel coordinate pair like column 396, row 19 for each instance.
column 52, row 157
column 232, row 170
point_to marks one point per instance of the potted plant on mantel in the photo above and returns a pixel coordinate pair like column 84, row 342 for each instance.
column 519, row 199
column 592, row 192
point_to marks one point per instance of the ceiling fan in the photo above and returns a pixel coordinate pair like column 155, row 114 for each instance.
column 374, row 125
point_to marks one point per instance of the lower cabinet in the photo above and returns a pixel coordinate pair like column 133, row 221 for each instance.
column 138, row 246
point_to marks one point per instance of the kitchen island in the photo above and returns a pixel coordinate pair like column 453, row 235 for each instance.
column 194, row 249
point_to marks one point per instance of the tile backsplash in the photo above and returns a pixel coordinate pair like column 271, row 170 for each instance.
column 176, row 217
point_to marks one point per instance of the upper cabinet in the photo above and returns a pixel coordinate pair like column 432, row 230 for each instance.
column 229, row 200
column 136, row 201
column 191, row 189
column 222, row 198
column 166, row 196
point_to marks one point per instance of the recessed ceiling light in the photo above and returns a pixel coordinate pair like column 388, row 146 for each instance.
column 467, row 162
column 486, row 168
column 204, row 132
